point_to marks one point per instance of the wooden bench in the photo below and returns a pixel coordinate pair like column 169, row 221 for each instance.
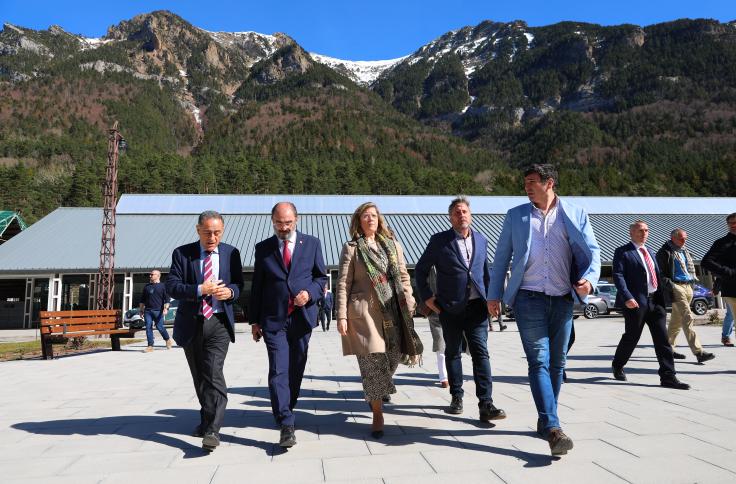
column 75, row 324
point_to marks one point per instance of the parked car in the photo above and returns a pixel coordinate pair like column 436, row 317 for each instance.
column 607, row 292
column 703, row 300
column 133, row 319
column 595, row 306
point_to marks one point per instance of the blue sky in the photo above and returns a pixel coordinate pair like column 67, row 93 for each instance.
column 356, row 30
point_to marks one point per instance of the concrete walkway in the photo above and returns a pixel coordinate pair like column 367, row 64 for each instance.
column 125, row 417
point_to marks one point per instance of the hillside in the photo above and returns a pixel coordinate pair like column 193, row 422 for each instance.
column 621, row 110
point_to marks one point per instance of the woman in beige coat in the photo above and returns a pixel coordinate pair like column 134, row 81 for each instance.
column 375, row 306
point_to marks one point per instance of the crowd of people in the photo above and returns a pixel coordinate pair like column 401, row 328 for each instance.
column 546, row 258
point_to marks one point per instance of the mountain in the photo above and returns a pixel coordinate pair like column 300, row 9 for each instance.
column 621, row 110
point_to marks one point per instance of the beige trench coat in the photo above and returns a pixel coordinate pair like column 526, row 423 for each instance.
column 356, row 300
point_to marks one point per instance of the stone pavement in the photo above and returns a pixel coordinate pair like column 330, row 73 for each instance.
column 125, row 417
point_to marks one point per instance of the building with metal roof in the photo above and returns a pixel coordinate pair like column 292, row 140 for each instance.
column 52, row 263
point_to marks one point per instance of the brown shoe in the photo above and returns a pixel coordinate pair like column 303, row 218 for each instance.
column 169, row 343
column 559, row 443
column 149, row 349
column 726, row 341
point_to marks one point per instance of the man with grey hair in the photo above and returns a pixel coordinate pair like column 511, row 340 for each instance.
column 640, row 295
column 206, row 277
column 678, row 277
column 459, row 256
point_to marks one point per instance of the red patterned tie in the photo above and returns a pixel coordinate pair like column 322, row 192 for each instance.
column 650, row 266
column 287, row 264
column 207, row 310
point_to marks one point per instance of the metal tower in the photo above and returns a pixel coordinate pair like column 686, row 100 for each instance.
column 105, row 287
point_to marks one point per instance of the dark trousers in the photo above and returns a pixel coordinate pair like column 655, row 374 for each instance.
column 655, row 316
column 287, row 358
column 325, row 317
column 206, row 357
column 152, row 317
column 473, row 323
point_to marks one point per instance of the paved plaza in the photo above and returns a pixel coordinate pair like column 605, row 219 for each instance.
column 125, row 417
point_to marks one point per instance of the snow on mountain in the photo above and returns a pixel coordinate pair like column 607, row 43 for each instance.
column 92, row 43
column 362, row 72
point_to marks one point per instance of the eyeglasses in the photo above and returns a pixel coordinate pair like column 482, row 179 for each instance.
column 283, row 224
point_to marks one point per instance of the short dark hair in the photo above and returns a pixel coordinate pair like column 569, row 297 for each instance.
column 457, row 201
column 293, row 207
column 731, row 217
column 545, row 172
column 208, row 214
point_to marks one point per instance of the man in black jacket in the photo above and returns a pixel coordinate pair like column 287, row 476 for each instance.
column 721, row 261
column 678, row 277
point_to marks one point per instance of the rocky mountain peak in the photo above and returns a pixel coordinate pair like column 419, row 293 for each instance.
column 287, row 61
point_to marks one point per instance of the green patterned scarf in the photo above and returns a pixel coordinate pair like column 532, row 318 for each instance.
column 383, row 271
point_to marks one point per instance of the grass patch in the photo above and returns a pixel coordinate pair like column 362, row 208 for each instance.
column 23, row 350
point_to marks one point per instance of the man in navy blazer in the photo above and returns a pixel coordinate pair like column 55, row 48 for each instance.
column 641, row 296
column 289, row 277
column 459, row 257
column 206, row 277
column 554, row 257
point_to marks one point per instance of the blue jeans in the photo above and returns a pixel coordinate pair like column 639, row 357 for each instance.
column 728, row 322
column 149, row 315
column 544, row 324
column 473, row 323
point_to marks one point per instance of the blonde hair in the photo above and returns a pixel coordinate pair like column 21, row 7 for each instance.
column 356, row 231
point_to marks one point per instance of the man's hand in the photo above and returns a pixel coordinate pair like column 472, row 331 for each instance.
column 631, row 304
column 494, row 307
column 431, row 305
column 583, row 287
column 302, row 298
column 209, row 287
column 222, row 293
column 257, row 332
column 342, row 327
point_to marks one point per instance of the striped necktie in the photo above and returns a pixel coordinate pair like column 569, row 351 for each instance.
column 207, row 310
column 650, row 266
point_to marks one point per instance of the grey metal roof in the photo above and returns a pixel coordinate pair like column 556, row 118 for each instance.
column 68, row 239
column 403, row 204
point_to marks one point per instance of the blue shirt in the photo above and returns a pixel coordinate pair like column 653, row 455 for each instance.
column 550, row 257
column 680, row 262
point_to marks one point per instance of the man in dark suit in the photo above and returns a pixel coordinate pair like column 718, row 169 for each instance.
column 640, row 294
column 289, row 277
column 459, row 256
column 325, row 310
column 206, row 277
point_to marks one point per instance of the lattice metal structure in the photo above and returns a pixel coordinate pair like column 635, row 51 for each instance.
column 105, row 287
